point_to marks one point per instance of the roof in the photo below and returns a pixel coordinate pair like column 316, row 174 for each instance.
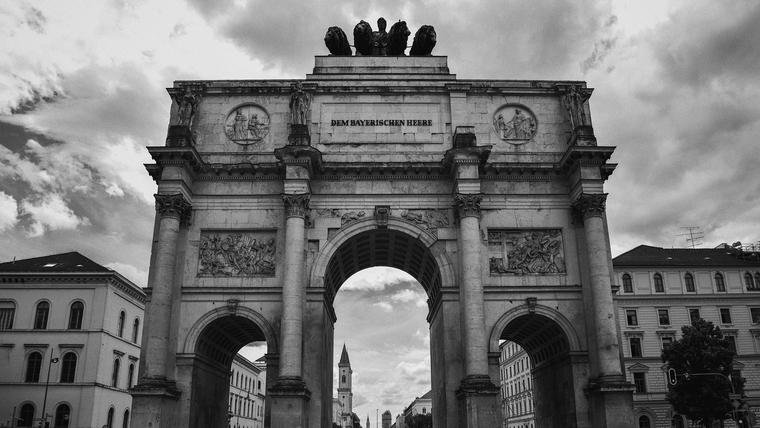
column 428, row 396
column 61, row 263
column 723, row 255
column 344, row 356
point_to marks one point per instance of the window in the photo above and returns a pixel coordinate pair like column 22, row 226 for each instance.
column 627, row 284
column 736, row 379
column 68, row 367
column 109, row 419
column 631, row 318
column 748, row 281
column 658, row 286
column 7, row 310
column 731, row 342
column 689, row 281
column 75, row 315
column 725, row 315
column 757, row 280
column 62, row 415
column 663, row 316
column 26, row 415
column 640, row 381
column 120, row 328
column 115, row 375
column 644, row 422
column 635, row 346
column 135, row 329
column 677, row 421
column 41, row 316
column 720, row 285
column 130, row 375
column 125, row 423
column 694, row 314
column 754, row 313
column 33, row 365
column 424, row 410
column 666, row 341
column 344, row 379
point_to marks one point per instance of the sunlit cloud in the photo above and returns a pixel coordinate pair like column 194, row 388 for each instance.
column 8, row 211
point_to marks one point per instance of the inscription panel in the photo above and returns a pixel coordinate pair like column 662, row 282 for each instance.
column 234, row 253
column 348, row 123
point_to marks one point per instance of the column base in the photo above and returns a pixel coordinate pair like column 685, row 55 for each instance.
column 290, row 398
column 479, row 402
column 154, row 403
column 610, row 400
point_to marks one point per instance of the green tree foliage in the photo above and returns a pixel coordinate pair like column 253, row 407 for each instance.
column 701, row 350
column 420, row 421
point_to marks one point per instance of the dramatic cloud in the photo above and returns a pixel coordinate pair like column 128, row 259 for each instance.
column 132, row 273
column 8, row 211
column 51, row 213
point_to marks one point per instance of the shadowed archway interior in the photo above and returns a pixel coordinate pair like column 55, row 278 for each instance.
column 384, row 247
column 224, row 337
column 541, row 337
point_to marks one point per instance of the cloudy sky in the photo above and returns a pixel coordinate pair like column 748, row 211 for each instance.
column 82, row 94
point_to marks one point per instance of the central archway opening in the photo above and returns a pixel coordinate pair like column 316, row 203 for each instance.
column 390, row 283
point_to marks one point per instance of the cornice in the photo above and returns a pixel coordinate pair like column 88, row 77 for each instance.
column 579, row 155
column 701, row 299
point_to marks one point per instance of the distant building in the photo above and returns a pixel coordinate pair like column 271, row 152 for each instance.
column 345, row 394
column 663, row 289
column 387, row 419
column 516, row 386
column 247, row 393
column 420, row 406
column 66, row 319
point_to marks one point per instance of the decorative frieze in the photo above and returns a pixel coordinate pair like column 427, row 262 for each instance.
column 526, row 252
column 467, row 205
column 351, row 216
column 174, row 206
column 430, row 219
column 296, row 205
column 589, row 205
column 237, row 254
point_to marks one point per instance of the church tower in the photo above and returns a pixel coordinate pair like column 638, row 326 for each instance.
column 345, row 395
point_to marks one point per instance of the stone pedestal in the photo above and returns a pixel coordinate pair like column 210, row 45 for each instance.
column 154, row 406
column 611, row 404
column 479, row 403
column 289, row 399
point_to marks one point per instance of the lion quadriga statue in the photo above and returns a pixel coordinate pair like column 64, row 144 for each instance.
column 424, row 41
column 363, row 38
column 397, row 38
column 337, row 42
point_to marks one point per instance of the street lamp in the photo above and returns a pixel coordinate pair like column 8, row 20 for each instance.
column 47, row 384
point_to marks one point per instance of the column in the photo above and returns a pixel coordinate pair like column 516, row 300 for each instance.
column 293, row 289
column 172, row 209
column 473, row 326
column 591, row 207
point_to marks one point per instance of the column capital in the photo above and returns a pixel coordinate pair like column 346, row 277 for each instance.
column 589, row 205
column 467, row 205
column 296, row 205
column 174, row 206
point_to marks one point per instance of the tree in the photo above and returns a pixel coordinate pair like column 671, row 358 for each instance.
column 420, row 421
column 703, row 361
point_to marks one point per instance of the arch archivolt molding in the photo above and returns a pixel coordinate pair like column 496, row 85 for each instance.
column 191, row 340
column 346, row 233
column 573, row 340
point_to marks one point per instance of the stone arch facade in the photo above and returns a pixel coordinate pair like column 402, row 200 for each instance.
column 552, row 314
column 190, row 341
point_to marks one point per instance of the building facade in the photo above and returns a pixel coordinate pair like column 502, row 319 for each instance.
column 247, row 393
column 663, row 289
column 516, row 386
column 420, row 406
column 69, row 342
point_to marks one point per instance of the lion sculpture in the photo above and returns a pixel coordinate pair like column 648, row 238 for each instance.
column 337, row 42
column 424, row 41
column 397, row 38
column 363, row 38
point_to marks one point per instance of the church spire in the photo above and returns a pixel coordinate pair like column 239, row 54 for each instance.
column 344, row 357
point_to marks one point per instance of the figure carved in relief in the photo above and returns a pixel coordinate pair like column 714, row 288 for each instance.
column 519, row 127
column 238, row 127
column 236, row 255
column 380, row 39
column 187, row 104
column 432, row 219
column 351, row 216
column 299, row 105
column 574, row 102
column 536, row 252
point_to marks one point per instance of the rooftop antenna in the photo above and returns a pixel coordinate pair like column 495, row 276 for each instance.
column 694, row 235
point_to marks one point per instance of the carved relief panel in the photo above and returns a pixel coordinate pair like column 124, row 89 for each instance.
column 526, row 252
column 247, row 124
column 515, row 123
column 237, row 253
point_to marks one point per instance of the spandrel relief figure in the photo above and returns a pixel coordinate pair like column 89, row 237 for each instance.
column 300, row 101
column 526, row 252
column 187, row 106
column 521, row 126
column 576, row 113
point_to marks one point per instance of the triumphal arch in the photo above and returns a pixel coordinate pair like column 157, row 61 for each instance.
column 271, row 193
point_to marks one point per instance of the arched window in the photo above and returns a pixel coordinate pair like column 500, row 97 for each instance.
column 7, row 311
column 720, row 284
column 677, row 421
column 33, row 366
column 344, row 379
column 644, row 422
column 76, row 313
column 689, row 281
column 757, row 279
column 748, row 281
column 115, row 375
column 109, row 418
column 627, row 284
column 120, row 328
column 62, row 416
column 125, row 423
column 658, row 285
column 424, row 410
column 41, row 316
column 135, row 329
column 130, row 375
column 26, row 415
column 68, row 367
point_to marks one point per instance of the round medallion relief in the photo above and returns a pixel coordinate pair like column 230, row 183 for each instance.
column 247, row 124
column 515, row 123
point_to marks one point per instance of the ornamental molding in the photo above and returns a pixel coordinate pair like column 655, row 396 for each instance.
column 467, row 205
column 589, row 205
column 296, row 205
